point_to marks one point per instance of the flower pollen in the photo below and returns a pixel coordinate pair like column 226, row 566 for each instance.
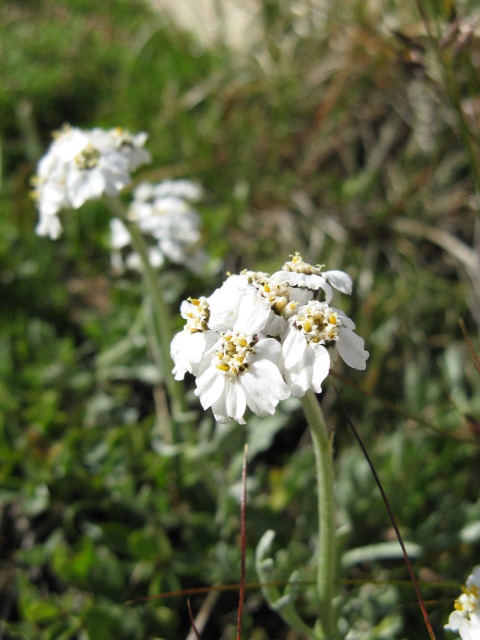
column 88, row 158
column 254, row 277
column 62, row 132
column 198, row 316
column 319, row 323
column 123, row 138
column 279, row 297
column 468, row 602
column 234, row 352
column 297, row 265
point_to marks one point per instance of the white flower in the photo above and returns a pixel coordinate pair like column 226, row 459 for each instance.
column 83, row 165
column 131, row 145
column 119, row 235
column 184, row 189
column 283, row 300
column 163, row 212
column 466, row 617
column 225, row 302
column 315, row 334
column 188, row 346
column 49, row 225
column 49, row 189
column 242, row 368
column 298, row 273
column 93, row 166
column 270, row 338
column 155, row 259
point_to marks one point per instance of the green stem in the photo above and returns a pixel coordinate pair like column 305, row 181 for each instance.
column 326, row 511
column 161, row 317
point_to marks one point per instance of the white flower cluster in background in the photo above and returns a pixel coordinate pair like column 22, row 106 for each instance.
column 83, row 165
column 465, row 619
column 260, row 338
column 164, row 213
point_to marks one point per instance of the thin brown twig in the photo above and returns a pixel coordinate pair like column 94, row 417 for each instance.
column 218, row 587
column 390, row 512
column 473, row 355
column 204, row 613
column 282, row 583
column 195, row 630
column 243, row 543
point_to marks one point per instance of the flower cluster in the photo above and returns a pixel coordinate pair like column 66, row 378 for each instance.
column 260, row 338
column 83, row 165
column 164, row 213
column 466, row 617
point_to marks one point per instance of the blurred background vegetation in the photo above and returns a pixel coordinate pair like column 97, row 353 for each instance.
column 347, row 131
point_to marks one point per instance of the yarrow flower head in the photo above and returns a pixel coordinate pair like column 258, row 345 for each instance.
column 242, row 367
column 189, row 345
column 465, row 619
column 298, row 273
column 164, row 213
column 83, row 165
column 316, row 334
column 260, row 338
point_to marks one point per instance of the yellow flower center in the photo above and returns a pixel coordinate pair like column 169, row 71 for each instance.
column 467, row 603
column 234, row 353
column 254, row 277
column 123, row 138
column 198, row 316
column 279, row 297
column 88, row 158
column 297, row 265
column 319, row 323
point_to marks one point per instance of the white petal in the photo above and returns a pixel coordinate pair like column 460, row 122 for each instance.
column 179, row 188
column 321, row 366
column 253, row 313
column 269, row 349
column 294, row 346
column 264, row 387
column 143, row 192
column 302, row 296
column 294, row 279
column 474, row 577
column 219, row 409
column 235, row 400
column 340, row 280
column 276, row 325
column 210, row 386
column 346, row 321
column 350, row 347
column 224, row 303
column 84, row 185
column 279, row 277
column 155, row 257
column 133, row 262
column 455, row 621
column 187, row 350
column 176, row 349
column 49, row 226
column 213, row 342
column 119, row 234
column 299, row 377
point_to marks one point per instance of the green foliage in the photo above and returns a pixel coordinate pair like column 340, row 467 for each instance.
column 330, row 140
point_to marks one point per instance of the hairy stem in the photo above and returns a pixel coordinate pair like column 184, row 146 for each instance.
column 326, row 511
column 161, row 316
